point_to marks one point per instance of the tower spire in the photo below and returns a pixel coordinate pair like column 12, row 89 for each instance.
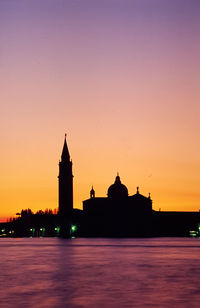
column 65, row 152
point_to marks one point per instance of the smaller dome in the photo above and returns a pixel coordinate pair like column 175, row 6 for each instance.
column 92, row 193
column 117, row 190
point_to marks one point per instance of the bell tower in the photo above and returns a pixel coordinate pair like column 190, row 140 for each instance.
column 65, row 182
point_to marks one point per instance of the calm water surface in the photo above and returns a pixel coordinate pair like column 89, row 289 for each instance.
column 51, row 272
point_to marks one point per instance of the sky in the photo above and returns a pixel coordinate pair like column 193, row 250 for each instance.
column 121, row 78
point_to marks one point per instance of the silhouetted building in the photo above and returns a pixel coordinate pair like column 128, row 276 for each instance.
column 121, row 215
column 65, row 179
column 118, row 214
column 118, row 200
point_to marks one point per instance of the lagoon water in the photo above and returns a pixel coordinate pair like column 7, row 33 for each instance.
column 118, row 273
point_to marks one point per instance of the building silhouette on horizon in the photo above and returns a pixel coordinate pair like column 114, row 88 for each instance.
column 119, row 200
column 65, row 182
column 118, row 214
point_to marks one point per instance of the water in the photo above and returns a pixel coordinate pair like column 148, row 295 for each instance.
column 56, row 273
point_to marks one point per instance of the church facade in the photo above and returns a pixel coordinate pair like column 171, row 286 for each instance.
column 119, row 200
column 118, row 214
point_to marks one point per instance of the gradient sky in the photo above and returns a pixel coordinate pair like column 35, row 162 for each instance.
column 121, row 78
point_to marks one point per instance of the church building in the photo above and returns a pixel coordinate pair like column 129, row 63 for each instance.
column 118, row 199
column 118, row 214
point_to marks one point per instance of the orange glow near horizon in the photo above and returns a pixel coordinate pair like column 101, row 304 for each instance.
column 122, row 83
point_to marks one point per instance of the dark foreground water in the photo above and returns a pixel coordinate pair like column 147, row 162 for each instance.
column 51, row 272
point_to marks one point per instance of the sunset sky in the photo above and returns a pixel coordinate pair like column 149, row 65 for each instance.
column 121, row 78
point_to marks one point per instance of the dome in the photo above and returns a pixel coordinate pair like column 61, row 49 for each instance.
column 117, row 190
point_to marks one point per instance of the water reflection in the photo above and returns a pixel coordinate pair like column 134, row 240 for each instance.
column 99, row 273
